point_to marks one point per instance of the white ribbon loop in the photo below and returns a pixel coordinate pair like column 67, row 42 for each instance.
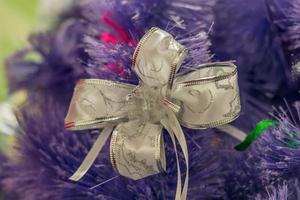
column 137, row 149
column 97, row 103
column 157, row 58
column 207, row 97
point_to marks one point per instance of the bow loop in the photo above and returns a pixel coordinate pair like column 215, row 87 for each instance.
column 93, row 104
column 157, row 58
column 208, row 96
column 137, row 149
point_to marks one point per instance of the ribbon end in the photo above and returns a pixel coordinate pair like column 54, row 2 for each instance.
column 92, row 154
column 75, row 177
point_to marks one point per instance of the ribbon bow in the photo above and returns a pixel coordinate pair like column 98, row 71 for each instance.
column 136, row 115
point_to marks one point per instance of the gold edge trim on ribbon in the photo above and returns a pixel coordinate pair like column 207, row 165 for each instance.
column 107, row 83
column 99, row 120
column 210, row 64
column 174, row 65
column 113, row 150
column 117, row 152
column 158, row 146
column 99, row 123
column 210, row 79
column 209, row 125
column 141, row 42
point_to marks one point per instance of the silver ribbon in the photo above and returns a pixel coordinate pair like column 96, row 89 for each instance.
column 206, row 97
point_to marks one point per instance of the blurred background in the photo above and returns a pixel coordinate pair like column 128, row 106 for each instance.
column 17, row 19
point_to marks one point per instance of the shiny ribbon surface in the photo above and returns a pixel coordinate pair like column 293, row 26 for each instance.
column 135, row 115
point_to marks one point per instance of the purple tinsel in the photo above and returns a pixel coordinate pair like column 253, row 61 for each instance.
column 279, row 192
column 50, row 154
column 287, row 190
column 273, row 158
column 51, row 62
column 97, row 40
column 243, row 32
column 279, row 150
column 285, row 16
column 187, row 20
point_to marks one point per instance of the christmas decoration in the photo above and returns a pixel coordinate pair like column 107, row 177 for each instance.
column 93, row 43
column 137, row 148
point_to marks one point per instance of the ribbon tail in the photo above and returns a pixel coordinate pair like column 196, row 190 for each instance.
column 178, row 188
column 92, row 154
column 175, row 128
column 182, row 142
column 233, row 131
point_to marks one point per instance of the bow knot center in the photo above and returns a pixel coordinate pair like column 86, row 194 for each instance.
column 147, row 104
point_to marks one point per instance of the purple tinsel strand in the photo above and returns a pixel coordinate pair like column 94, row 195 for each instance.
column 56, row 63
column 274, row 193
column 285, row 16
column 278, row 158
column 287, row 190
column 243, row 32
column 272, row 158
column 185, row 19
